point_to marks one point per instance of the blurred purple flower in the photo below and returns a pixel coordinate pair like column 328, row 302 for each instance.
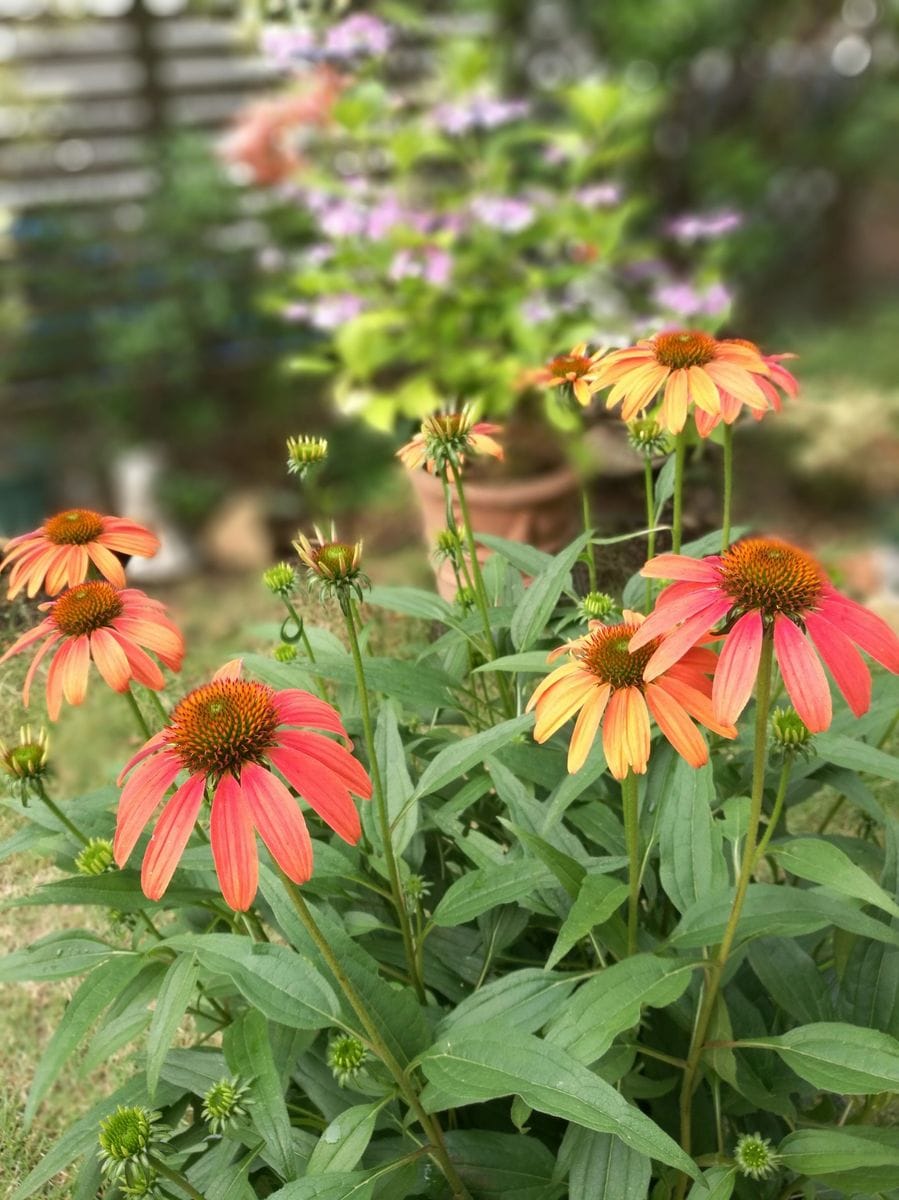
column 478, row 111
column 555, row 154
column 432, row 264
column 696, row 227
column 537, row 309
column 343, row 219
column 384, row 216
column 288, row 46
column 360, row 34
column 685, row 300
column 598, row 195
column 327, row 312
column 503, row 213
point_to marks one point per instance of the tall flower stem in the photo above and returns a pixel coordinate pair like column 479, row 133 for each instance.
column 649, row 490
column 138, row 715
column 680, row 456
column 58, row 813
column 589, row 556
column 728, row 486
column 480, row 591
column 747, row 865
column 777, row 809
column 630, row 808
column 175, row 1177
column 380, row 798
column 406, row 1087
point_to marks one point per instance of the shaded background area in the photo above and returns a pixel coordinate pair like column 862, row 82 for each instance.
column 136, row 272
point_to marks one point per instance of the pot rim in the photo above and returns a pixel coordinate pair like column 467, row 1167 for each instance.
column 509, row 493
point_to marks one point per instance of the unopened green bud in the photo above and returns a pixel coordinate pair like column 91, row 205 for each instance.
column 648, row 438
column 140, row 1183
column 789, row 732
column 225, row 1104
column 28, row 760
column 345, row 1057
column 754, row 1157
column 596, row 606
column 281, row 579
column 95, row 858
column 466, row 599
column 126, row 1138
column 305, row 452
column 285, row 653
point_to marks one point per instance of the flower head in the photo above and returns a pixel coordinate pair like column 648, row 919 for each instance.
column 126, row 1138
column 230, row 736
column 446, row 439
column 284, row 652
column 778, row 380
column 603, row 683
column 789, row 732
column 346, row 1057
column 754, row 1157
column 281, row 579
column 574, row 371
column 648, row 438
column 28, row 760
column 333, row 565
column 96, row 858
column 114, row 627
column 304, row 452
column 62, row 551
column 761, row 587
column 692, row 367
column 598, row 606
column 225, row 1104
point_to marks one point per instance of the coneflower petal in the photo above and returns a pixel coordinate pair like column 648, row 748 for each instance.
column 684, row 638
column 111, row 659
column 585, row 727
column 279, row 821
column 171, row 835
column 321, row 790
column 561, row 703
column 846, row 664
column 234, row 844
column 614, row 735
column 864, row 627
column 74, row 676
column 296, row 707
column 637, row 729
column 106, row 563
column 331, row 755
column 139, row 799
column 682, row 567
column 803, row 675
column 738, row 666
column 677, row 726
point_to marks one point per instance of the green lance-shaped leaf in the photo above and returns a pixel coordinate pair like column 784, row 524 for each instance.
column 473, row 1066
column 841, row 1058
column 344, row 1141
column 535, row 608
column 249, row 1054
column 523, row 1000
column 175, row 994
column 822, row 862
column 690, row 843
column 459, row 757
column 484, row 888
column 863, row 1159
column 598, row 898
column 601, row 1165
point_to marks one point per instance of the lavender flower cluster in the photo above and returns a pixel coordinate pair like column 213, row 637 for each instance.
column 361, row 35
column 477, row 112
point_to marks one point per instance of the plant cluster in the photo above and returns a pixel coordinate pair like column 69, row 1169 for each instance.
column 402, row 929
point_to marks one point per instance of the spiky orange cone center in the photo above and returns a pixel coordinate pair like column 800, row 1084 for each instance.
column 774, row 577
column 222, row 725
column 75, row 527
column 87, row 607
column 569, row 366
column 684, row 348
column 605, row 655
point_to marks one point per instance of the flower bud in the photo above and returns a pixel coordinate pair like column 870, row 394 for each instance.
column 648, row 438
column 28, row 760
column 225, row 1104
column 346, row 1055
column 126, row 1138
column 281, row 579
column 465, row 598
column 334, row 566
column 754, row 1157
column 95, row 858
column 285, row 653
column 596, row 606
column 305, row 452
column 789, row 732
column 447, row 545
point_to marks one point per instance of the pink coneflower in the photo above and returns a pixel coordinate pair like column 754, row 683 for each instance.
column 229, row 736
column 731, row 407
column 114, row 627
column 62, row 551
column 692, row 367
column 603, row 683
column 762, row 585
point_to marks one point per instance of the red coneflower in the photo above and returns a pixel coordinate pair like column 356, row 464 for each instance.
column 229, row 734
column 693, row 367
column 603, row 682
column 61, row 552
column 114, row 627
column 759, row 585
column 576, row 369
column 731, row 406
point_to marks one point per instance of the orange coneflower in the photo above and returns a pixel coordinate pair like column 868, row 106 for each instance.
column 603, row 683
column 445, row 438
column 693, row 367
column 114, row 627
column 576, row 369
column 731, row 406
column 229, row 736
column 766, row 585
column 61, row 552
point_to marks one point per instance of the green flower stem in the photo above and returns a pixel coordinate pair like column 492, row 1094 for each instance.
column 307, row 645
column 380, row 799
column 174, row 1177
column 58, row 813
column 480, row 591
column 747, row 865
column 728, row 486
column 777, row 809
column 589, row 556
column 429, row 1124
column 680, row 455
column 630, row 807
column 649, row 490
column 158, row 705
column 138, row 715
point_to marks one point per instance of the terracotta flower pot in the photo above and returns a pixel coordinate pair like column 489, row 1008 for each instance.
column 542, row 510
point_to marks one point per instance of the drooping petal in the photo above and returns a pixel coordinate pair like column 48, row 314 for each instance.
column 57, row 569
column 739, row 383
column 74, row 676
column 171, row 835
column 160, row 637
column 279, row 821
column 296, row 707
column 55, row 678
column 561, row 703
column 77, row 566
column 46, row 628
column 684, row 638
column 703, row 392
column 614, row 735
column 803, row 675
column 139, row 799
column 677, row 726
column 676, row 401
column 846, row 664
column 234, row 844
column 681, row 566
column 585, row 727
column 106, row 563
column 35, row 663
column 150, row 747
column 666, row 615
column 111, row 660
column 738, row 666
column 550, row 680
column 143, row 668
column 128, row 537
column 865, row 628
column 331, row 755
column 637, row 729
column 697, row 703
column 322, row 791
